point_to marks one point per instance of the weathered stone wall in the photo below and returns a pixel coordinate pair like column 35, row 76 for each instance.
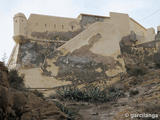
column 85, row 52
column 63, row 36
column 32, row 54
column 89, row 19
column 88, row 56
column 146, row 55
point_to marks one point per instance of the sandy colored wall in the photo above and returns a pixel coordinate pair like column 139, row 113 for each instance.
column 144, row 35
column 34, row 79
column 140, row 31
column 108, row 34
column 13, row 58
column 136, row 27
column 150, row 35
column 42, row 23
column 96, row 43
column 20, row 25
column 106, row 45
column 121, row 21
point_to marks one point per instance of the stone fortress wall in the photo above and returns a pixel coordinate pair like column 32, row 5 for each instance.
column 50, row 46
column 47, row 27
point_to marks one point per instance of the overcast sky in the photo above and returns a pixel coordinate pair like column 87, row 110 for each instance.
column 140, row 10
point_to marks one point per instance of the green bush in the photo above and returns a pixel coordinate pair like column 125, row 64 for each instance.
column 91, row 94
column 15, row 80
column 71, row 114
column 39, row 94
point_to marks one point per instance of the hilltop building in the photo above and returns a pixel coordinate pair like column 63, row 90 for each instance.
column 85, row 37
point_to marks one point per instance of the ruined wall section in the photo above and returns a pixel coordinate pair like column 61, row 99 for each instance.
column 140, row 57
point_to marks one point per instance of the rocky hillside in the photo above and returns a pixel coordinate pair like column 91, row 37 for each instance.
column 93, row 93
column 120, row 97
column 24, row 105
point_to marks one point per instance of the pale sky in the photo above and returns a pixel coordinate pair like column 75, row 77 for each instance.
column 140, row 10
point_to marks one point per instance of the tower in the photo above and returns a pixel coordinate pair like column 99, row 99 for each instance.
column 20, row 24
column 20, row 32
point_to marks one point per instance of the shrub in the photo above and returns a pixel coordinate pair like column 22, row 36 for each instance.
column 136, row 70
column 91, row 94
column 39, row 94
column 133, row 92
column 15, row 80
column 71, row 114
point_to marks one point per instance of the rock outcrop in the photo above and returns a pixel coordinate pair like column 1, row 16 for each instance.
column 24, row 105
column 139, row 56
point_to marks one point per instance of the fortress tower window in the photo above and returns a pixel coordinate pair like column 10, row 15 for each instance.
column 45, row 25
column 72, row 27
column 62, row 26
column 16, row 21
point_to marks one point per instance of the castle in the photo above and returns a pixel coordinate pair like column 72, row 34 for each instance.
column 38, row 37
column 36, row 24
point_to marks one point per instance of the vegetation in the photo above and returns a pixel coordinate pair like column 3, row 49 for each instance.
column 133, row 92
column 39, row 94
column 136, row 70
column 151, row 108
column 71, row 113
column 15, row 80
column 91, row 94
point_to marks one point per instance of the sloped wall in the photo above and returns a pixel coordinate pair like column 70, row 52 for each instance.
column 93, row 54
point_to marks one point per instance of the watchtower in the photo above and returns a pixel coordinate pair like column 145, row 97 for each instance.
column 20, row 25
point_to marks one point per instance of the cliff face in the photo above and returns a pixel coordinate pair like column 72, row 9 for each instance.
column 24, row 105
